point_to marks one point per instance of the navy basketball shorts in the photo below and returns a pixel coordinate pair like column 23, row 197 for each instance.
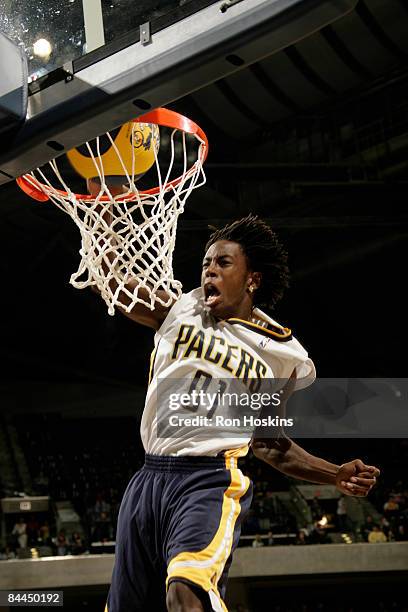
column 180, row 520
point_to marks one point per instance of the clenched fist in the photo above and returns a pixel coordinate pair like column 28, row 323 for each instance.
column 356, row 478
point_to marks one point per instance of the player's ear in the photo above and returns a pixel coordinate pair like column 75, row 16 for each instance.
column 254, row 281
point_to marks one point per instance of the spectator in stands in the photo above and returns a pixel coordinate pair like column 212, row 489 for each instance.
column 103, row 528
column 7, row 553
column 270, row 541
column 391, row 536
column 397, row 494
column 376, row 535
column 62, row 544
column 401, row 533
column 301, row 537
column 77, row 544
column 257, row 543
column 45, row 536
column 101, row 506
column 20, row 531
column 385, row 526
column 32, row 530
column 318, row 535
column 391, row 506
column 367, row 527
column 342, row 518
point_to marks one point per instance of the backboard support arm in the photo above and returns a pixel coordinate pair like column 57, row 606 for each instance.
column 182, row 58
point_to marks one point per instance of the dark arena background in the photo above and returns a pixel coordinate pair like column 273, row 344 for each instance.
column 312, row 136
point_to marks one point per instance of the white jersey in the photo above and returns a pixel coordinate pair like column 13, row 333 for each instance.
column 191, row 340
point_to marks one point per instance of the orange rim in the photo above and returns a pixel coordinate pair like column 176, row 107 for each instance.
column 161, row 116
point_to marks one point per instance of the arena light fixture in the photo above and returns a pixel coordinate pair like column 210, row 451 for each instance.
column 42, row 48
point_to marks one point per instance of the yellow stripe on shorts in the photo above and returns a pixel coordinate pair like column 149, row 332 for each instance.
column 232, row 456
column 204, row 568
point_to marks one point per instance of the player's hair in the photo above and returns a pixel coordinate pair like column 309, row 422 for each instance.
column 264, row 252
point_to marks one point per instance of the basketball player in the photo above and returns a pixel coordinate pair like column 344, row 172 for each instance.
column 181, row 514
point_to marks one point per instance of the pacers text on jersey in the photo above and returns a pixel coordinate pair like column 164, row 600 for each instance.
column 215, row 350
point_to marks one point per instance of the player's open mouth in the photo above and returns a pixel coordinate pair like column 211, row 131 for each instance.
column 211, row 294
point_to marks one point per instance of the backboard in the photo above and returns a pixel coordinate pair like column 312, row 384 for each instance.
column 95, row 64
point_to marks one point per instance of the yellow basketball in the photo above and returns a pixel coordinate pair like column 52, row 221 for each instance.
column 136, row 144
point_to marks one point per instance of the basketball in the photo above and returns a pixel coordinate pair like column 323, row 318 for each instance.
column 132, row 149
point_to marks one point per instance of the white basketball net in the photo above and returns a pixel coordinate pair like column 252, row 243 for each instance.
column 129, row 237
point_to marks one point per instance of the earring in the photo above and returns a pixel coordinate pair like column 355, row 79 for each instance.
column 251, row 289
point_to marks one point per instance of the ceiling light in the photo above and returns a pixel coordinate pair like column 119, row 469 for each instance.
column 42, row 48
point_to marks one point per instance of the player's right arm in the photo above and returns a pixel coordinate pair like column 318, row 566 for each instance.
column 140, row 313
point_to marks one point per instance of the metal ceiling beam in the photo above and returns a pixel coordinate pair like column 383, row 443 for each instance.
column 324, row 172
column 349, row 255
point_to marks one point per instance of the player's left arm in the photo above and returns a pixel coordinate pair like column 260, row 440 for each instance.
column 351, row 478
